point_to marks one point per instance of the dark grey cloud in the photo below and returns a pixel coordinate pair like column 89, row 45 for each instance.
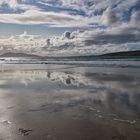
column 128, row 35
column 48, row 42
column 67, row 34
column 112, row 39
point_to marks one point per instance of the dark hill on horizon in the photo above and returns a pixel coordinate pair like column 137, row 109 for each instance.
column 124, row 53
column 115, row 55
column 12, row 54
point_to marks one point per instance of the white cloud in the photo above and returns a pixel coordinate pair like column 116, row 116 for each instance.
column 96, row 41
column 11, row 3
column 109, row 17
column 40, row 17
column 102, row 12
column 135, row 18
column 117, row 35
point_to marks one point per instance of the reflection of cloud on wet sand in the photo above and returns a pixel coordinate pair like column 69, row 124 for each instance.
column 58, row 90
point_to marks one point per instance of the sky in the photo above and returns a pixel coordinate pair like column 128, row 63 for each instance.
column 69, row 27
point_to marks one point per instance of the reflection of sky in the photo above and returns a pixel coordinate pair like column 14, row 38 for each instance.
column 102, row 93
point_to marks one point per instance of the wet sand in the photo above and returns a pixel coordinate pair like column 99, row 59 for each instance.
column 69, row 103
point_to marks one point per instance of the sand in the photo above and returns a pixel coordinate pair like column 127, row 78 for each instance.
column 69, row 103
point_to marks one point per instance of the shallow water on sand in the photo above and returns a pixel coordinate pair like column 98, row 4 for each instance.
column 69, row 102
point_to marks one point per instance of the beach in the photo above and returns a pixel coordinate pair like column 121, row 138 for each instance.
column 69, row 102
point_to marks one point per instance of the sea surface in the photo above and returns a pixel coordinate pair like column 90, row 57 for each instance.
column 69, row 100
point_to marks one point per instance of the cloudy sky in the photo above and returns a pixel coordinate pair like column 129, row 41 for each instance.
column 69, row 27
